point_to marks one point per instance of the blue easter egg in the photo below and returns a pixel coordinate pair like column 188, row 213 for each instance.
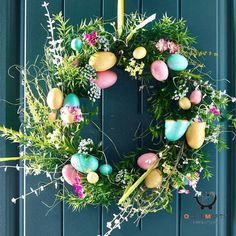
column 76, row 44
column 105, row 169
column 177, row 62
column 186, row 182
column 71, row 100
column 174, row 130
column 84, row 163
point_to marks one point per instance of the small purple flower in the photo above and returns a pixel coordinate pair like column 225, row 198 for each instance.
column 183, row 191
column 162, row 45
column 91, row 38
column 214, row 110
column 78, row 188
column 173, row 47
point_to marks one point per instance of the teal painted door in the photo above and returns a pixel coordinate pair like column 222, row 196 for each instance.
column 210, row 21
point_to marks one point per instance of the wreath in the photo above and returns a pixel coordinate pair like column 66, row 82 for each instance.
column 185, row 111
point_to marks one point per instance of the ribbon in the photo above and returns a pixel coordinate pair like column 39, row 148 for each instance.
column 120, row 16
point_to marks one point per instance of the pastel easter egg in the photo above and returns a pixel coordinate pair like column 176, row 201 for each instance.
column 105, row 79
column 147, row 160
column 195, row 134
column 76, row 44
column 195, row 97
column 70, row 174
column 55, row 98
column 84, row 163
column 159, row 70
column 154, row 179
column 177, row 62
column 105, row 169
column 102, row 61
column 67, row 118
column 92, row 177
column 139, row 53
column 71, row 100
column 52, row 116
column 174, row 130
column 184, row 103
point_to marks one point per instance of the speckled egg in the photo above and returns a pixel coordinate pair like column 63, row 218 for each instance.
column 177, row 62
column 76, row 44
column 154, row 179
column 159, row 70
column 195, row 97
column 105, row 79
column 84, row 163
column 102, row 61
column 55, row 98
column 70, row 174
column 92, row 177
column 71, row 100
column 147, row 160
column 139, row 53
column 184, row 103
column 105, row 169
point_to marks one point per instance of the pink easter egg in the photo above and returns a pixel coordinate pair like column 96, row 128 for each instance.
column 146, row 160
column 195, row 97
column 159, row 70
column 105, row 79
column 70, row 174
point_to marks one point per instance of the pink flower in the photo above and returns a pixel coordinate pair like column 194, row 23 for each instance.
column 90, row 38
column 173, row 47
column 183, row 191
column 71, row 114
column 162, row 45
column 78, row 187
column 214, row 110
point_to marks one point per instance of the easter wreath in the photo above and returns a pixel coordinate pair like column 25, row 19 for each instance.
column 185, row 110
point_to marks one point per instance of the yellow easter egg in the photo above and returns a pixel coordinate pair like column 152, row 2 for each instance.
column 92, row 177
column 184, row 103
column 154, row 179
column 195, row 134
column 102, row 61
column 139, row 52
column 52, row 116
column 55, row 98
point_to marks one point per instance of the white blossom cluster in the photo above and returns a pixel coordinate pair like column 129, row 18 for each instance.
column 55, row 138
column 120, row 177
column 94, row 92
column 181, row 91
column 103, row 43
column 214, row 137
column 85, row 146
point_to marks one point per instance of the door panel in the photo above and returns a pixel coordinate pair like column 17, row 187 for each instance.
column 122, row 108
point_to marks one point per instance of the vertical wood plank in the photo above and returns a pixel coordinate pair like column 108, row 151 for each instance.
column 87, row 221
column 34, row 220
column 202, row 20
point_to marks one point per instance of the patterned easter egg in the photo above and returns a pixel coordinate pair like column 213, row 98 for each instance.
column 147, row 160
column 70, row 174
column 177, row 62
column 139, row 53
column 154, row 179
column 84, row 163
column 102, row 61
column 76, row 44
column 92, row 177
column 105, row 79
column 55, row 98
column 195, row 97
column 105, row 169
column 184, row 103
column 71, row 100
column 159, row 70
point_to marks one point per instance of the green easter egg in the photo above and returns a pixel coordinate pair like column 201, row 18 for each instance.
column 177, row 62
column 71, row 100
column 76, row 44
column 105, row 169
column 84, row 163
